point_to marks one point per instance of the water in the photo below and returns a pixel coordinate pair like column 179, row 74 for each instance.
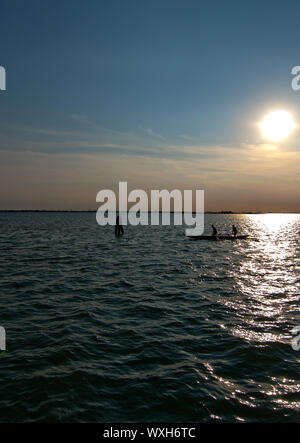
column 151, row 326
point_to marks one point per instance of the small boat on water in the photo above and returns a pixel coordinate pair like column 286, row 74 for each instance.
column 218, row 237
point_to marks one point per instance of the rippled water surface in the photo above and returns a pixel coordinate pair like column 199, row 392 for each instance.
column 151, row 326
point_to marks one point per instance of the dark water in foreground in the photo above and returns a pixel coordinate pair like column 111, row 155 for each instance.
column 149, row 327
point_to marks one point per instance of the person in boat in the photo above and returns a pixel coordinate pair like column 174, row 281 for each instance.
column 234, row 230
column 215, row 232
column 118, row 228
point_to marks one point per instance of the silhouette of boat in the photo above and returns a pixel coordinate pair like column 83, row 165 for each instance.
column 217, row 237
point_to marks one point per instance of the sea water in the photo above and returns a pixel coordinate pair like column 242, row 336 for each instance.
column 151, row 326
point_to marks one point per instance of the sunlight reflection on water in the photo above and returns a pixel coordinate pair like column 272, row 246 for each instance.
column 267, row 275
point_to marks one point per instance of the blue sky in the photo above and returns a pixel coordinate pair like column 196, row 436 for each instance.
column 160, row 93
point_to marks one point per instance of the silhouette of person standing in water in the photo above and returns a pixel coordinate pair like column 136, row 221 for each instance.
column 118, row 228
column 234, row 230
column 215, row 232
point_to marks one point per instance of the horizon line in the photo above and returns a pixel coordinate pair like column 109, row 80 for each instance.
column 160, row 212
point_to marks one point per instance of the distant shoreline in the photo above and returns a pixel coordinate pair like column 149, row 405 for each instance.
column 171, row 212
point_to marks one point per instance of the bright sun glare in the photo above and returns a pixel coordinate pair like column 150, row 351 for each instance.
column 277, row 125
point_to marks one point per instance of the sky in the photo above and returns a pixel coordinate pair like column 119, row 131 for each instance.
column 163, row 94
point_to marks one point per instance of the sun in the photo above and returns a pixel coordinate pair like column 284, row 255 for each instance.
column 277, row 125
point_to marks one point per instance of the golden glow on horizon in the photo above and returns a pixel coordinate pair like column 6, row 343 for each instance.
column 277, row 125
column 269, row 147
